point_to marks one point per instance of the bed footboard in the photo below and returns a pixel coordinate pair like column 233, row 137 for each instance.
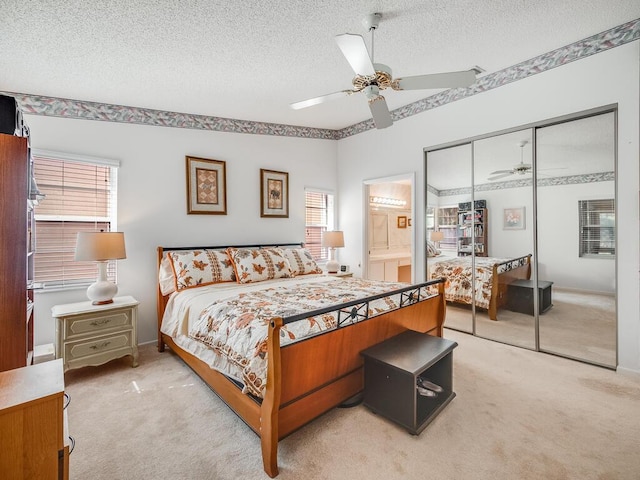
column 503, row 274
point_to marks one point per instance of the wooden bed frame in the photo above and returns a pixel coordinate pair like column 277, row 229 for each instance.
column 499, row 288
column 498, row 298
column 307, row 378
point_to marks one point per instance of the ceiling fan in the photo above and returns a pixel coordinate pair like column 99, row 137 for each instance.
column 371, row 77
column 519, row 169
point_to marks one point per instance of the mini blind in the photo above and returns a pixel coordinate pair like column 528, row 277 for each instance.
column 318, row 219
column 79, row 197
column 597, row 228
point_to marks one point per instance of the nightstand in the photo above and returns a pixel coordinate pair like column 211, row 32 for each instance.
column 89, row 334
column 340, row 274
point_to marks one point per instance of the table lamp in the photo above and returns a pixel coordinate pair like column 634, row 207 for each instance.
column 436, row 236
column 100, row 247
column 333, row 240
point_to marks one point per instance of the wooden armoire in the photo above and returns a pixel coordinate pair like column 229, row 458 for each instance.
column 16, row 312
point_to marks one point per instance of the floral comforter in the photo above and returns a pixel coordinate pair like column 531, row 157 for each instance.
column 459, row 281
column 235, row 327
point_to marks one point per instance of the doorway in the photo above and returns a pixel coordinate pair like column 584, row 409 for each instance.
column 390, row 235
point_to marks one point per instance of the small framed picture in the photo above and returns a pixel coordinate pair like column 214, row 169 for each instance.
column 274, row 194
column 402, row 221
column 514, row 218
column 206, row 186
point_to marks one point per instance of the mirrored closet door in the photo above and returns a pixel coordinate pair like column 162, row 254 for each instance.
column 503, row 181
column 576, row 191
column 522, row 224
column 449, row 184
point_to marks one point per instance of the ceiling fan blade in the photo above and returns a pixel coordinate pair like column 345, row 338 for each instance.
column 497, row 172
column 437, row 80
column 380, row 112
column 497, row 177
column 320, row 99
column 355, row 51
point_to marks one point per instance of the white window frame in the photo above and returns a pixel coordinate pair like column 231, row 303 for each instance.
column 586, row 230
column 111, row 219
column 331, row 217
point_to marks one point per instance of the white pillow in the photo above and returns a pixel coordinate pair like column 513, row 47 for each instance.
column 166, row 278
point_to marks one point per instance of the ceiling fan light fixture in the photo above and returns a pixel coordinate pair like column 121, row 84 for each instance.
column 372, row 92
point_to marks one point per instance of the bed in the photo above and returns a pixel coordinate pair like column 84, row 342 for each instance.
column 305, row 360
column 493, row 276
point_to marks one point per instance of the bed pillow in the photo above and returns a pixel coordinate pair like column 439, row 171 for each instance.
column 301, row 261
column 166, row 278
column 432, row 251
column 256, row 265
column 197, row 268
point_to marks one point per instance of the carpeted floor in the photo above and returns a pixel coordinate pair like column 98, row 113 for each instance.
column 578, row 325
column 518, row 414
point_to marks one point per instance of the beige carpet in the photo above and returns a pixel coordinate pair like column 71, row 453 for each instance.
column 578, row 325
column 518, row 414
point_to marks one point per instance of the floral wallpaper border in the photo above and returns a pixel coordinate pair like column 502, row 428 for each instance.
column 78, row 109
column 527, row 182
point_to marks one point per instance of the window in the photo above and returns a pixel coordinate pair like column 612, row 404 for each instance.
column 319, row 218
column 80, row 197
column 597, row 228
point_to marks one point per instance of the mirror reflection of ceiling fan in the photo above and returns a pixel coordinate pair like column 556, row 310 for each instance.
column 371, row 77
column 519, row 169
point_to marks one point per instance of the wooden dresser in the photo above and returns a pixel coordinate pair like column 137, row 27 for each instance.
column 34, row 440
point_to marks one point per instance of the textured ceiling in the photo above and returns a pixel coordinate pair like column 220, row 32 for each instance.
column 248, row 60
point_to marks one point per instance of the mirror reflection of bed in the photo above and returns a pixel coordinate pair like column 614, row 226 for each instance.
column 574, row 166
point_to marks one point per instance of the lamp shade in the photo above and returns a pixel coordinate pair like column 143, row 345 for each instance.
column 333, row 239
column 437, row 236
column 100, row 246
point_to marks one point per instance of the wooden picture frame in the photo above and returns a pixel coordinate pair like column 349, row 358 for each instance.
column 206, row 186
column 402, row 221
column 274, row 194
column 514, row 218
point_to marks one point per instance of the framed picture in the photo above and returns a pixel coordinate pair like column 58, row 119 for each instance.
column 514, row 218
column 402, row 221
column 206, row 186
column 274, row 194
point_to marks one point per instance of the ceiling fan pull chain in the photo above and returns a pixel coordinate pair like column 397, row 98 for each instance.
column 372, row 31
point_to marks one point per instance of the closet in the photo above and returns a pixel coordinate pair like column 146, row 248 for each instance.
column 550, row 188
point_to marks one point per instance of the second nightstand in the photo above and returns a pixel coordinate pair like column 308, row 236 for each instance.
column 89, row 334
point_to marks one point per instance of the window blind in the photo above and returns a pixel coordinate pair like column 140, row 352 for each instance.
column 597, row 228
column 79, row 197
column 318, row 219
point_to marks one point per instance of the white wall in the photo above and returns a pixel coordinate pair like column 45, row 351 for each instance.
column 152, row 196
column 606, row 78
column 558, row 258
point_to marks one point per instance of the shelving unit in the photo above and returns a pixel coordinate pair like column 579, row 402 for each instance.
column 472, row 231
column 447, row 221
column 16, row 316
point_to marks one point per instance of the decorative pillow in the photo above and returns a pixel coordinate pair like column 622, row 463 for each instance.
column 196, row 268
column 432, row 251
column 301, row 261
column 256, row 265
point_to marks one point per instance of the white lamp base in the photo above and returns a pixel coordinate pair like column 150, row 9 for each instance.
column 333, row 266
column 102, row 291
